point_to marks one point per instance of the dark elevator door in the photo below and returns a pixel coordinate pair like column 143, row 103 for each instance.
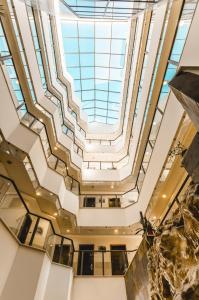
column 62, row 254
column 22, row 235
column 85, row 260
column 119, row 261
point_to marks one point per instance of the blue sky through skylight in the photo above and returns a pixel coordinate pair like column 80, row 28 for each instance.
column 94, row 53
column 122, row 9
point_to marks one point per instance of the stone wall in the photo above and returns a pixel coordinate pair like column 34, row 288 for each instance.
column 174, row 256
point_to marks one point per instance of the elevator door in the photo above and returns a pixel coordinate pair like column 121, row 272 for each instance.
column 89, row 202
column 62, row 254
column 85, row 260
column 22, row 235
column 119, row 261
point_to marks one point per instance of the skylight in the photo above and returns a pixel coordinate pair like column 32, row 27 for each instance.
column 95, row 53
column 119, row 9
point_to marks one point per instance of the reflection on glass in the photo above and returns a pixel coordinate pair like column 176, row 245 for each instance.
column 37, row 47
column 9, row 64
column 12, row 211
column 41, row 234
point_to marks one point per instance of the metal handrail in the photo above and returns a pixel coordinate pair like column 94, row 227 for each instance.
column 36, row 215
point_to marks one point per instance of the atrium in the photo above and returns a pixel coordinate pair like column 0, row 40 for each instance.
column 99, row 150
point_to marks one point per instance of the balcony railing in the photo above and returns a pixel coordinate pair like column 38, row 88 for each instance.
column 109, row 201
column 31, row 229
column 101, row 263
column 29, row 120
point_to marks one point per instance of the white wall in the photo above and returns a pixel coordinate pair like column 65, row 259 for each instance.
column 59, row 283
column 43, row 279
column 99, row 288
column 28, row 274
column 23, row 278
column 190, row 55
column 8, row 250
column 131, row 242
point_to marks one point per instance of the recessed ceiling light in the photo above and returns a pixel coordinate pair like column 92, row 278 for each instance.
column 116, row 230
column 55, row 148
column 7, row 151
column 112, row 186
column 164, row 196
column 68, row 230
column 38, row 193
column 55, row 214
column 41, row 120
column 51, row 194
column 154, row 123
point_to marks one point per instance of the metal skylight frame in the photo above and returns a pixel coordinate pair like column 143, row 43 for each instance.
column 101, row 108
column 117, row 9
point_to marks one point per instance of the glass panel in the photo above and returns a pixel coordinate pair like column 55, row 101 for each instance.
column 147, row 156
column 95, row 60
column 12, row 210
column 4, row 50
column 75, row 187
column 53, row 247
column 107, row 264
column 26, row 231
column 67, row 254
column 106, row 165
column 140, row 179
column 41, row 234
column 37, row 46
column 94, row 165
column 155, row 126
column 61, row 168
column 68, row 182
column 98, row 263
column 52, row 161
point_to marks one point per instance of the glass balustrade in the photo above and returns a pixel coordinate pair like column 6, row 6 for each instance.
column 23, row 109
column 109, row 201
column 106, row 165
column 38, row 51
column 38, row 232
column 29, row 120
column 37, row 46
column 31, row 229
column 178, row 45
column 102, row 263
column 6, row 58
column 172, row 67
column 54, row 163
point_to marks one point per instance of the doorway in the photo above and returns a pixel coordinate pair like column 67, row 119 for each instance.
column 119, row 261
column 85, row 260
column 62, row 254
column 89, row 202
column 114, row 202
column 24, row 230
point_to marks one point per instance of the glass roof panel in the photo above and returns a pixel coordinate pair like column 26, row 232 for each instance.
column 94, row 53
column 117, row 9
